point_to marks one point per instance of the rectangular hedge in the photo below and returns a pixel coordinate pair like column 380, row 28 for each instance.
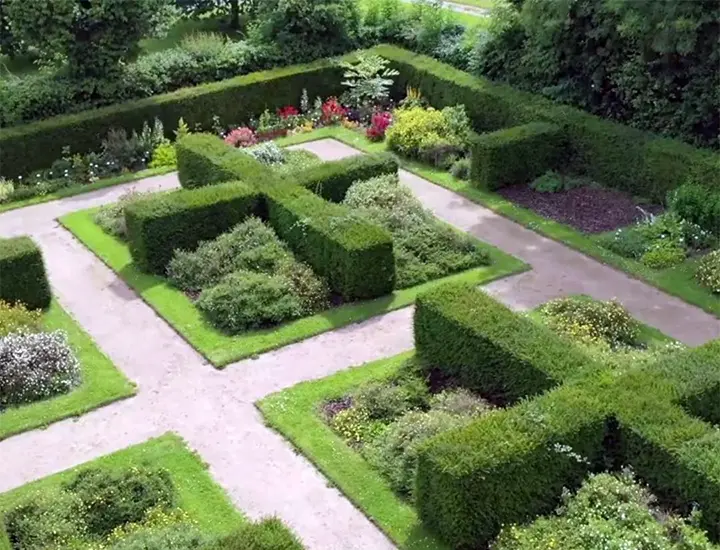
column 35, row 146
column 483, row 345
column 355, row 256
column 203, row 159
column 616, row 155
column 159, row 225
column 509, row 466
column 22, row 273
column 515, row 155
column 331, row 180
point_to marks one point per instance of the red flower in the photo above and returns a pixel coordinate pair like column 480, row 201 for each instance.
column 241, row 137
column 378, row 124
column 287, row 111
column 332, row 110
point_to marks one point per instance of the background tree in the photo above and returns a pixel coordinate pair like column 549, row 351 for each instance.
column 93, row 36
column 232, row 8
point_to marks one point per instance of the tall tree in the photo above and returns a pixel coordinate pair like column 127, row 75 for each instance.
column 233, row 8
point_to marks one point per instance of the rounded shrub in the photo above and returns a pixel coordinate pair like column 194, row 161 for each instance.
column 383, row 400
column 663, row 255
column 459, row 401
column 17, row 317
column 163, row 155
column 267, row 534
column 708, row 271
column 35, row 366
column 355, row 426
column 417, row 129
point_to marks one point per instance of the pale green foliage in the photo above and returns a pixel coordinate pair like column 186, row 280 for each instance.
column 368, row 79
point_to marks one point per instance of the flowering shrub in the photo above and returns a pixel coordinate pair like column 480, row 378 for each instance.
column 287, row 111
column 241, row 137
column 378, row 124
column 17, row 317
column 332, row 111
column 36, row 366
column 355, row 426
column 708, row 271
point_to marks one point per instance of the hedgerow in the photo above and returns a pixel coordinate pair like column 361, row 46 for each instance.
column 22, row 273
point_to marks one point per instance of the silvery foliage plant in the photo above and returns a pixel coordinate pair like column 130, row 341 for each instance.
column 36, row 366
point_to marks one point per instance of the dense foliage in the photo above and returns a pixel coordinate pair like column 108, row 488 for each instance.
column 653, row 65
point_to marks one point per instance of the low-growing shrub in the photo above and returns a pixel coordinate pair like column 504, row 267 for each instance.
column 459, row 401
column 163, row 155
column 44, row 520
column 241, row 137
column 7, row 187
column 296, row 161
column 111, row 217
column 112, row 498
column 592, row 320
column 394, row 451
column 267, row 153
column 662, row 255
column 245, row 300
column 311, row 290
column 355, row 426
column 554, row 182
column 175, row 536
column 16, row 317
column 461, row 168
column 267, row 534
column 383, row 400
column 250, row 245
column 36, row 366
column 708, row 271
column 697, row 203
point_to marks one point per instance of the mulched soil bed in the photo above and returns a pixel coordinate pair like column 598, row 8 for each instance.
column 589, row 209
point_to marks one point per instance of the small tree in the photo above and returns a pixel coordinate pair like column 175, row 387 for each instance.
column 368, row 80
column 93, row 36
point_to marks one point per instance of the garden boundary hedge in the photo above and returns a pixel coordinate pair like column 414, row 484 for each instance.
column 639, row 162
column 161, row 224
column 22, row 273
column 35, row 146
column 515, row 155
column 510, row 466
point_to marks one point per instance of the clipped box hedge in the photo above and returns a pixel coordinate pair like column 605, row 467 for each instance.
column 35, row 146
column 331, row 180
column 22, row 273
column 613, row 154
column 159, row 225
column 203, row 159
column 355, row 256
column 515, row 155
column 479, row 342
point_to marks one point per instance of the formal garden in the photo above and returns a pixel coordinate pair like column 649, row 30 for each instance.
column 270, row 188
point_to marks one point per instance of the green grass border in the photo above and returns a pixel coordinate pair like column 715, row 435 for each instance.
column 199, row 495
column 677, row 281
column 102, row 382
column 295, row 414
column 80, row 189
column 220, row 349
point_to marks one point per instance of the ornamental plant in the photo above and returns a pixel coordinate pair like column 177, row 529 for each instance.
column 332, row 111
column 368, row 80
column 379, row 123
column 708, row 272
column 287, row 111
column 241, row 137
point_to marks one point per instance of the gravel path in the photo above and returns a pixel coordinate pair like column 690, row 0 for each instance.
column 180, row 392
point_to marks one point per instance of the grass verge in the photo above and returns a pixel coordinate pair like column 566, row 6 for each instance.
column 80, row 189
column 102, row 383
column 219, row 348
column 678, row 281
column 204, row 501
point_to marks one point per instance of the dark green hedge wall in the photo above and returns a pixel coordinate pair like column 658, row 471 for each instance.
column 22, row 273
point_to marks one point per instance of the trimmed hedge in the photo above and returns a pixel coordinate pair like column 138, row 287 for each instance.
column 477, row 341
column 331, row 180
column 159, row 225
column 35, row 146
column 203, row 159
column 22, row 273
column 515, row 155
column 616, row 155
column 355, row 256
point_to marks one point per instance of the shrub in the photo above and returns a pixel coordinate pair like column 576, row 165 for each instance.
column 164, row 155
column 368, row 80
column 379, row 123
column 515, row 155
column 35, row 366
column 394, row 451
column 382, row 400
column 267, row 153
column 180, row 536
column 17, row 317
column 662, row 255
column 384, row 193
column 460, row 402
column 355, row 426
column 241, row 137
column 698, row 204
column 112, row 498
column 23, row 273
column 416, row 130
column 250, row 246
column 111, row 217
column 591, row 320
column 46, row 519
column 245, row 300
column 160, row 224
column 461, row 169
column 267, row 534
column 296, row 161
column 311, row 290
column 7, row 187
column 708, row 271
column 628, row 242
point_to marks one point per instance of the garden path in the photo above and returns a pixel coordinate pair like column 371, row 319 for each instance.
column 180, row 392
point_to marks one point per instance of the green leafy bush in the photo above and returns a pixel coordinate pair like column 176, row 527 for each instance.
column 383, row 401
column 461, row 168
column 112, row 498
column 267, row 534
column 697, row 203
column 554, row 182
column 163, row 155
column 245, row 300
column 296, row 161
column 459, row 401
column 16, row 317
column 608, row 511
column 662, row 255
column 355, row 426
column 394, row 451
column 708, row 271
column 591, row 320
column 267, row 153
column 23, row 273
column 7, row 188
column 250, row 246
column 176, row 536
column 111, row 217
column 46, row 519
